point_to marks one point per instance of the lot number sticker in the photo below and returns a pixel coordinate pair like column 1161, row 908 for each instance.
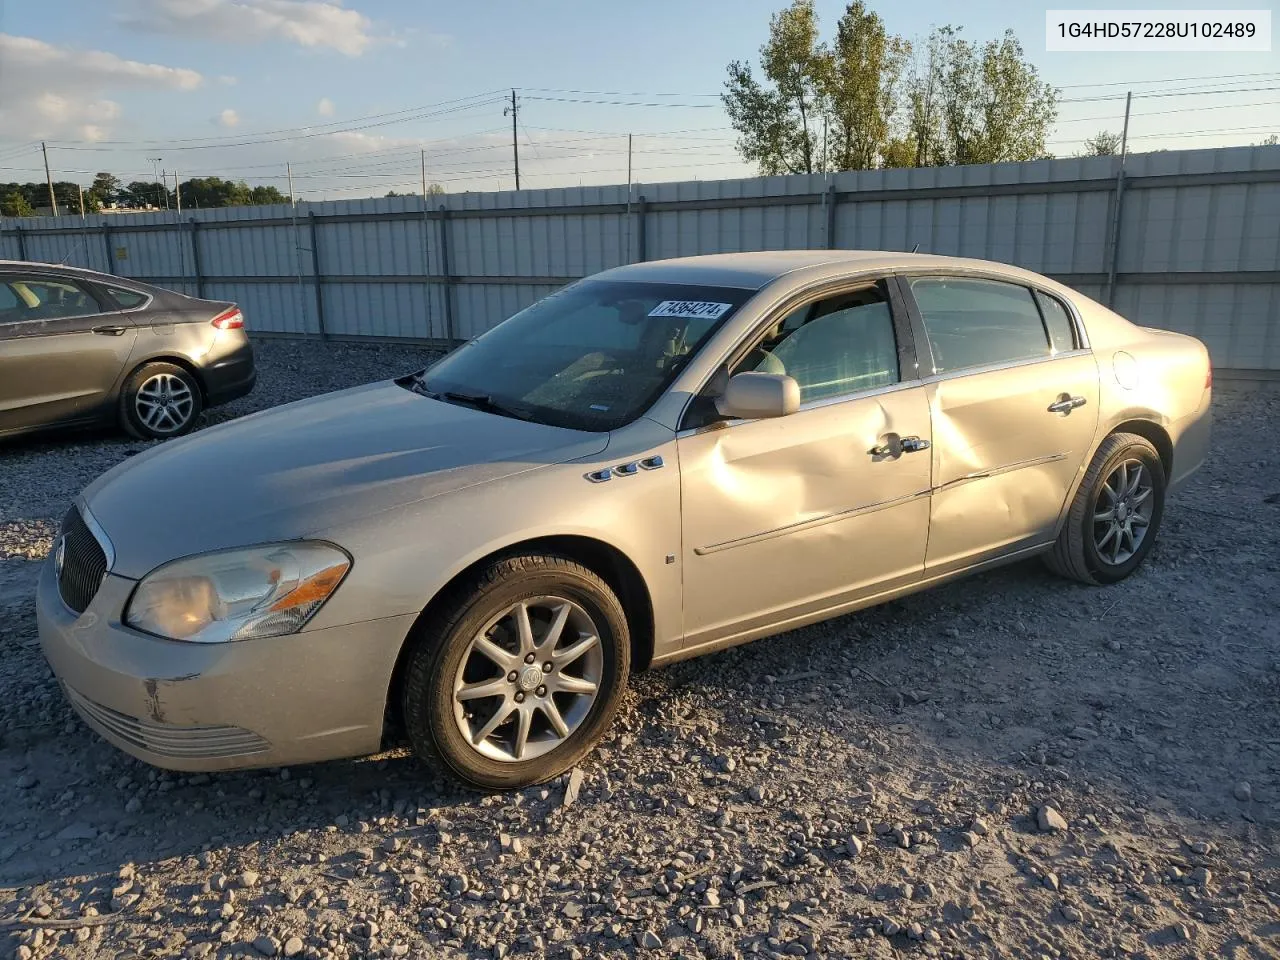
column 692, row 309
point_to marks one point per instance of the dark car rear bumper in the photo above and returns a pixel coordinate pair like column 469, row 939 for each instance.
column 230, row 376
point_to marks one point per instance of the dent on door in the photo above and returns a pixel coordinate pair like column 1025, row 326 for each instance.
column 1004, row 459
column 802, row 511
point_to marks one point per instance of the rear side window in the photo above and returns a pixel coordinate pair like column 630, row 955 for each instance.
column 1058, row 322
column 971, row 322
column 126, row 299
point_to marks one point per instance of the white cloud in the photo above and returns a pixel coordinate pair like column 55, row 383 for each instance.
column 308, row 23
column 325, row 107
column 58, row 92
column 229, row 118
column 227, row 80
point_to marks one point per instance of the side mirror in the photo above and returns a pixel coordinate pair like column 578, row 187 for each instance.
column 757, row 396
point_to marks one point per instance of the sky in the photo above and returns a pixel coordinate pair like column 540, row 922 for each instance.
column 347, row 92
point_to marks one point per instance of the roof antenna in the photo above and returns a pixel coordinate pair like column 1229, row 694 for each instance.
column 915, row 248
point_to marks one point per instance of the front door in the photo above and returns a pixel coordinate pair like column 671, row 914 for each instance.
column 784, row 518
column 1014, row 402
column 61, row 353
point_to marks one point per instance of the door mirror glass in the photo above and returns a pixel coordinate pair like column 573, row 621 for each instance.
column 757, row 396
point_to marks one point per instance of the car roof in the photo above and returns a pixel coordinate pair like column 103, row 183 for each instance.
column 43, row 267
column 756, row 269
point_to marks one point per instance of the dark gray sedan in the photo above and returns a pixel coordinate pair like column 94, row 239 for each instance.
column 79, row 348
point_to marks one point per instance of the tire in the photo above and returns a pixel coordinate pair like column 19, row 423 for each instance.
column 1088, row 549
column 159, row 401
column 443, row 659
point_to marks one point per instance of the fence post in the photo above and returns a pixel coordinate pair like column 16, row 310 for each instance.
column 315, row 274
column 642, row 234
column 22, row 242
column 448, row 276
column 831, row 217
column 106, row 246
column 195, row 256
column 426, row 258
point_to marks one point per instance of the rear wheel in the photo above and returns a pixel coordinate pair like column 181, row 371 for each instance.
column 160, row 400
column 520, row 673
column 1115, row 514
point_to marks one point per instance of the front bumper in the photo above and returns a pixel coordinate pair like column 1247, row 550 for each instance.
column 317, row 695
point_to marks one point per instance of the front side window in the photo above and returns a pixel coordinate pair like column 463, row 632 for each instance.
column 43, row 298
column 972, row 322
column 593, row 356
column 835, row 346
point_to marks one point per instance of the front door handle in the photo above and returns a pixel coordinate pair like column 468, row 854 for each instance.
column 895, row 446
column 110, row 330
column 1066, row 403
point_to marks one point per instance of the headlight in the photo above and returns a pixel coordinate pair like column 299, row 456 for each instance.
column 265, row 591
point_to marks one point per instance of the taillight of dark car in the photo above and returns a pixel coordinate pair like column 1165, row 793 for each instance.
column 229, row 319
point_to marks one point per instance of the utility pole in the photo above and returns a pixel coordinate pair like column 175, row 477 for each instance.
column 155, row 167
column 177, row 190
column 628, row 170
column 422, row 154
column 164, row 188
column 515, row 145
column 288, row 172
column 81, row 189
column 1115, row 213
column 53, row 201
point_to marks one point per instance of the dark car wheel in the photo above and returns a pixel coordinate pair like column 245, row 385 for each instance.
column 160, row 400
column 1115, row 514
column 519, row 674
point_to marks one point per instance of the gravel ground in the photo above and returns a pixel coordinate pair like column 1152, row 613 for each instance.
column 1010, row 766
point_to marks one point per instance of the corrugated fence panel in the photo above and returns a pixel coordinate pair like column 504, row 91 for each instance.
column 1199, row 242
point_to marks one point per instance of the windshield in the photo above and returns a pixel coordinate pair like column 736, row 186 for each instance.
column 592, row 356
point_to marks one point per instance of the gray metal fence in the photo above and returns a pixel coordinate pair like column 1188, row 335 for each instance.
column 1198, row 245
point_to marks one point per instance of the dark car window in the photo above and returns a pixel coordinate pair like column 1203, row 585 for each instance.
column 971, row 322
column 46, row 298
column 839, row 345
column 10, row 305
column 126, row 299
column 1058, row 322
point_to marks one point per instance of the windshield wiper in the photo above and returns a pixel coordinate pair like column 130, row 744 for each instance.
column 480, row 401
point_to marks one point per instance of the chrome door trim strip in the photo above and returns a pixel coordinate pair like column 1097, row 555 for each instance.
column 810, row 524
column 997, row 471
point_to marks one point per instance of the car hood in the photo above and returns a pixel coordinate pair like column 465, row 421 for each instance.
column 305, row 467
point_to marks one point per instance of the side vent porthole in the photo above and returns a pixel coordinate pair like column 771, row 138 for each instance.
column 600, row 476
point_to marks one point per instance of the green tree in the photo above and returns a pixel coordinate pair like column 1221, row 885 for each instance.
column 1104, row 143
column 924, row 102
column 15, row 204
column 774, row 121
column 994, row 105
column 262, row 196
column 863, row 88
column 105, row 189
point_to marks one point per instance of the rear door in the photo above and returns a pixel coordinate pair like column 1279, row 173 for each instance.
column 62, row 351
column 1013, row 396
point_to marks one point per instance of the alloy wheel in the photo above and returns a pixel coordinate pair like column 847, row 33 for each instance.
column 164, row 403
column 1122, row 513
column 528, row 679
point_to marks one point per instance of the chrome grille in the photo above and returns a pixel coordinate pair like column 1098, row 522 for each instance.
column 164, row 739
column 83, row 564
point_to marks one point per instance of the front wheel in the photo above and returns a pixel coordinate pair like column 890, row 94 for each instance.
column 520, row 673
column 1115, row 514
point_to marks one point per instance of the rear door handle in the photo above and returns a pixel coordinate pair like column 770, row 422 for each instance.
column 110, row 330
column 1066, row 404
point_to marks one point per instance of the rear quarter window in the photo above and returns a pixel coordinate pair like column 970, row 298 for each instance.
column 1057, row 320
column 126, row 299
